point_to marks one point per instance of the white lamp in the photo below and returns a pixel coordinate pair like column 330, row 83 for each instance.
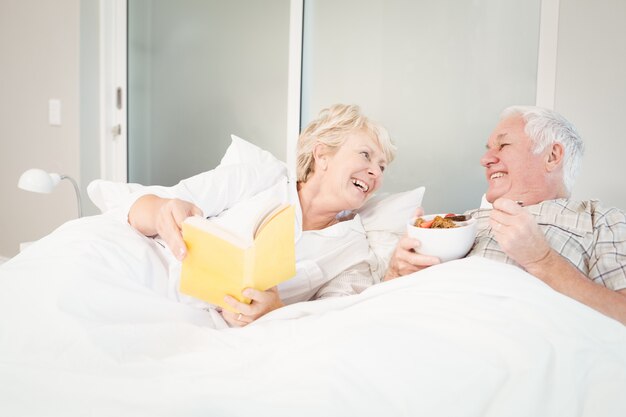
column 39, row 181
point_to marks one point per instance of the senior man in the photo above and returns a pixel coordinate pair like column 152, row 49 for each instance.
column 576, row 247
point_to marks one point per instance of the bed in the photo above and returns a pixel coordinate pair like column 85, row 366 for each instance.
column 467, row 338
column 87, row 328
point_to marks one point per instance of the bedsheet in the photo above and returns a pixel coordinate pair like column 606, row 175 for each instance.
column 86, row 328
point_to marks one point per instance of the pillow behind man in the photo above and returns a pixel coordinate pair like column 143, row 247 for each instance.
column 384, row 218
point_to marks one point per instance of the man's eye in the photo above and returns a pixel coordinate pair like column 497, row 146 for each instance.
column 366, row 154
column 502, row 145
column 382, row 168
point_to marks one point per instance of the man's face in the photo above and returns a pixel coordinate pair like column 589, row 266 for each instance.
column 512, row 169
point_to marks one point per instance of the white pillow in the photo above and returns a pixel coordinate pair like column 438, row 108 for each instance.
column 109, row 195
column 384, row 219
column 391, row 212
column 241, row 151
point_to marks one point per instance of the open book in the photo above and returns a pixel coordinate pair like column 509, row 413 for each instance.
column 220, row 260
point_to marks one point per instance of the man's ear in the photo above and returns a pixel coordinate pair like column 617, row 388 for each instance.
column 555, row 156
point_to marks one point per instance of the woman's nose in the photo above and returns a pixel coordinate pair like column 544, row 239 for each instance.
column 375, row 171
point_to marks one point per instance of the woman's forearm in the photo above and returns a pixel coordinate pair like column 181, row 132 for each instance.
column 143, row 214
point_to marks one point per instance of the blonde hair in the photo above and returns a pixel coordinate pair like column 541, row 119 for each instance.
column 331, row 128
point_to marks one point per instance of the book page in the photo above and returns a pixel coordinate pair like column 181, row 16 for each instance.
column 263, row 221
column 245, row 217
column 218, row 230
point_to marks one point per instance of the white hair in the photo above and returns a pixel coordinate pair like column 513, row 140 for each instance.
column 545, row 127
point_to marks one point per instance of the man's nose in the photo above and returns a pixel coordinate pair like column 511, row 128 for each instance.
column 488, row 159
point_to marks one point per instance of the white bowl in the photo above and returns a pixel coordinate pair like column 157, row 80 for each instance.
column 445, row 244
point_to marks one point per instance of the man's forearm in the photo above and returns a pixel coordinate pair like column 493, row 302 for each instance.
column 562, row 276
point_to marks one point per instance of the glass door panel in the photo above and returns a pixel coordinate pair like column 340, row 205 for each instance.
column 197, row 72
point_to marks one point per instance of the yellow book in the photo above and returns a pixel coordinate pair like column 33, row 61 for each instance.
column 221, row 261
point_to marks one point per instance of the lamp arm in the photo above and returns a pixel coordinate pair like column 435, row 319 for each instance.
column 78, row 199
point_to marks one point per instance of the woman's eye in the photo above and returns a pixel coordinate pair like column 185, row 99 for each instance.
column 382, row 168
column 366, row 154
column 502, row 145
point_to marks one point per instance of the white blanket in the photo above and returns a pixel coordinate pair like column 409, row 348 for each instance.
column 86, row 329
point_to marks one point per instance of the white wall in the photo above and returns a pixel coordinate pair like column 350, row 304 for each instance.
column 591, row 92
column 39, row 60
column 89, row 98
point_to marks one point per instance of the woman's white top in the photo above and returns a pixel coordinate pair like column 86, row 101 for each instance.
column 329, row 262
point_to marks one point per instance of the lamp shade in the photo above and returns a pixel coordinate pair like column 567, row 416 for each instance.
column 38, row 181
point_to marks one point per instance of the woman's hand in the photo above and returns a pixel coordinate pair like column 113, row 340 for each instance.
column 262, row 303
column 153, row 215
column 405, row 260
column 169, row 223
column 517, row 233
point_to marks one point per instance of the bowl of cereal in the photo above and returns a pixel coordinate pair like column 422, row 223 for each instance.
column 441, row 236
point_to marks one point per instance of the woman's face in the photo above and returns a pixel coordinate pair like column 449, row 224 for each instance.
column 354, row 171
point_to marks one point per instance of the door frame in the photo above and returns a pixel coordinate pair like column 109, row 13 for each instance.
column 114, row 78
column 547, row 53
column 113, row 82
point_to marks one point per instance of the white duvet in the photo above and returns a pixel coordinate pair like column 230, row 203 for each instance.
column 86, row 330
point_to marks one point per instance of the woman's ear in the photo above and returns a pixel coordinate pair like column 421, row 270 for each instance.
column 320, row 154
column 555, row 156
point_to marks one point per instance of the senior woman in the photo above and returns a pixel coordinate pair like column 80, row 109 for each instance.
column 341, row 158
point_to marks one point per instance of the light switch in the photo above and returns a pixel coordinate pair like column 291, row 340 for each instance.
column 54, row 112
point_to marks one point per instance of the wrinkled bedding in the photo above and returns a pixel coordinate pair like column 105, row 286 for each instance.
column 86, row 328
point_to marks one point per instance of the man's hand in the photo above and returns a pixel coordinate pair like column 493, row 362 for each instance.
column 518, row 234
column 405, row 260
column 262, row 303
column 520, row 238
